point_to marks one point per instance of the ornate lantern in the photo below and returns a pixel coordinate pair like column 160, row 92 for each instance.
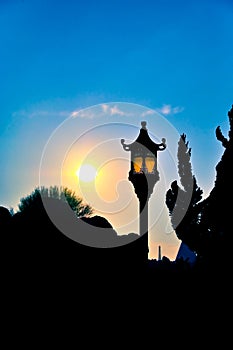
column 143, row 170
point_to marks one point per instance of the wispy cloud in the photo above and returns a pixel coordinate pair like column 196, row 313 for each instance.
column 41, row 113
column 146, row 113
column 105, row 108
column 98, row 111
column 169, row 110
column 114, row 110
column 83, row 113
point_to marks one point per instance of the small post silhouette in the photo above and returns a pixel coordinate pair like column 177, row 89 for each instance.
column 159, row 252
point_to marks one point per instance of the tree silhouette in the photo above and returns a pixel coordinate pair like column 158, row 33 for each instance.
column 34, row 201
column 207, row 225
column 216, row 216
column 184, row 203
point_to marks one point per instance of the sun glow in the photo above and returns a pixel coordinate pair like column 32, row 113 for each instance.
column 86, row 173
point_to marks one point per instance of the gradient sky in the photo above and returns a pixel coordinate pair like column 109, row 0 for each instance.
column 57, row 57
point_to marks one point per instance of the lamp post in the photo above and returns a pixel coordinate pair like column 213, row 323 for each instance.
column 144, row 172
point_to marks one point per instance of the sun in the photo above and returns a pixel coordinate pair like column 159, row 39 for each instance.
column 86, row 173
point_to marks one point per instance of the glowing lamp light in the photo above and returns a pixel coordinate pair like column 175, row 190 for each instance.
column 144, row 163
column 144, row 152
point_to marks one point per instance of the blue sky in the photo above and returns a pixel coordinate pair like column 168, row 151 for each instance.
column 59, row 56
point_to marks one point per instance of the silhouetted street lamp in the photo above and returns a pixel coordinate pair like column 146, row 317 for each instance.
column 143, row 171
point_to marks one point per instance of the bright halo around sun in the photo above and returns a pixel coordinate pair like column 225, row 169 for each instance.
column 86, row 173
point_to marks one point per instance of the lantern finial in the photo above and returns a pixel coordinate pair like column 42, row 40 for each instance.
column 143, row 124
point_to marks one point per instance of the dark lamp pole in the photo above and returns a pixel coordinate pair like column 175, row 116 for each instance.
column 144, row 171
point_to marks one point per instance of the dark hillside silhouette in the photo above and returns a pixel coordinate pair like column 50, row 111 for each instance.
column 40, row 250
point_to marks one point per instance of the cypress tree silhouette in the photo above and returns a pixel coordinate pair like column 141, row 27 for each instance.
column 184, row 203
